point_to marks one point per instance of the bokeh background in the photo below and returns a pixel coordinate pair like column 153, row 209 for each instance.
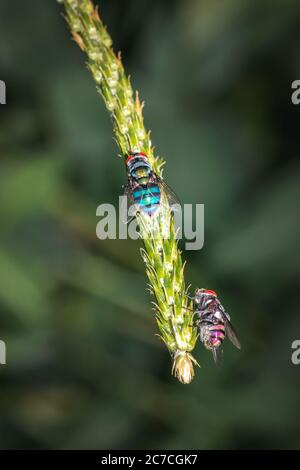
column 84, row 367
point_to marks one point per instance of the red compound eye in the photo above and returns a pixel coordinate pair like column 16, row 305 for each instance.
column 128, row 159
column 210, row 292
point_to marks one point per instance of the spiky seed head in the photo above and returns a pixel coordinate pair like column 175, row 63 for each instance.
column 183, row 367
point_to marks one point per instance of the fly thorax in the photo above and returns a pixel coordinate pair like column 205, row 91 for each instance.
column 142, row 181
column 218, row 316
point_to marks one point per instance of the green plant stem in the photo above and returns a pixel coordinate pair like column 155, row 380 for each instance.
column 161, row 255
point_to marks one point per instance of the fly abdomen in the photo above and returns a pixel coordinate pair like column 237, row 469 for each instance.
column 217, row 335
column 147, row 198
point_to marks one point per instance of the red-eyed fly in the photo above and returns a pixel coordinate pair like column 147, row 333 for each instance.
column 213, row 323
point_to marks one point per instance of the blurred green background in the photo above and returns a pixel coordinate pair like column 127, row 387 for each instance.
column 84, row 367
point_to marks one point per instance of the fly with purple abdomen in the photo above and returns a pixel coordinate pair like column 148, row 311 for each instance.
column 213, row 323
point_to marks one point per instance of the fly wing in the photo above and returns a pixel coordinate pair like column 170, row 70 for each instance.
column 126, row 206
column 168, row 192
column 218, row 355
column 230, row 332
